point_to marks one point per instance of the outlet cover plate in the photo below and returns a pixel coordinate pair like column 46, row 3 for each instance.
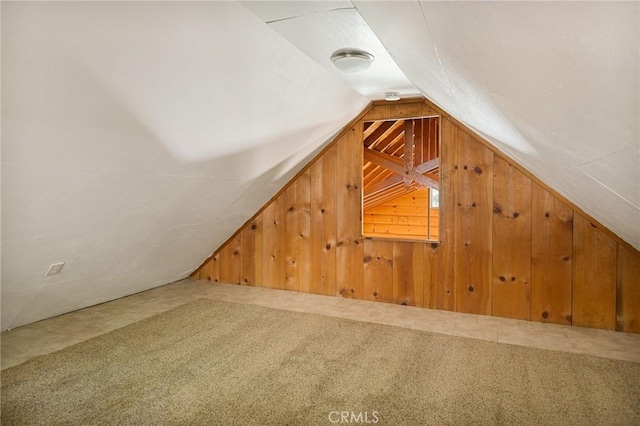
column 54, row 269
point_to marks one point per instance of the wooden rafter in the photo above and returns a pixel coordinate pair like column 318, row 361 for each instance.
column 408, row 151
column 369, row 127
column 394, row 136
column 380, row 133
column 389, row 182
column 428, row 166
column 396, row 165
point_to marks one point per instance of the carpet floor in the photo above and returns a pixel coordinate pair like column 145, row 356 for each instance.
column 209, row 362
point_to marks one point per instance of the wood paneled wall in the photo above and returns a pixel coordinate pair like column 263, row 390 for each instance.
column 404, row 217
column 509, row 246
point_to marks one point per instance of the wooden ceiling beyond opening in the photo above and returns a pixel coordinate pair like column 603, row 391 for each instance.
column 400, row 157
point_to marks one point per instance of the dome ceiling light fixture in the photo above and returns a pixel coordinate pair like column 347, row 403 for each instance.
column 391, row 96
column 351, row 60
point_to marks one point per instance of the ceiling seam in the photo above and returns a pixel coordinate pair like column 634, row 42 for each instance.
column 610, row 190
column 435, row 48
column 308, row 14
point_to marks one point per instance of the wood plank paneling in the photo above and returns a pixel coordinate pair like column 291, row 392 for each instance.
column 628, row 291
column 291, row 246
column 442, row 296
column 378, row 112
column 578, row 273
column 251, row 249
column 303, row 231
column 406, row 110
column 473, row 186
column 551, row 258
column 274, row 234
column 206, row 272
column 511, row 292
column 349, row 247
column 230, row 261
column 594, row 276
column 323, row 224
column 406, row 216
column 215, row 268
column 430, row 275
column 378, row 270
column 408, row 273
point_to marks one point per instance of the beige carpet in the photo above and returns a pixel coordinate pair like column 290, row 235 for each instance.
column 210, row 362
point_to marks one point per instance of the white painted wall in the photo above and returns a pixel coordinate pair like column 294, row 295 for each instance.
column 555, row 85
column 138, row 136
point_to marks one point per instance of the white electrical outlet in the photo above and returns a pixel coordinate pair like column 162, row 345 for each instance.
column 54, row 269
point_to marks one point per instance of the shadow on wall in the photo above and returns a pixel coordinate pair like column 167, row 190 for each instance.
column 87, row 182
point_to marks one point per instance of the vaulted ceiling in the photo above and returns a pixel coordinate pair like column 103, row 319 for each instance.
column 137, row 137
column 400, row 157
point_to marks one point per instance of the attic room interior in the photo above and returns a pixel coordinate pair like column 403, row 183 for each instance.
column 320, row 212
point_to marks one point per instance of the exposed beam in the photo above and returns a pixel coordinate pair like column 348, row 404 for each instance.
column 396, row 165
column 408, row 150
column 390, row 182
column 369, row 127
column 418, row 141
column 384, row 127
column 428, row 166
column 383, row 185
column 390, row 139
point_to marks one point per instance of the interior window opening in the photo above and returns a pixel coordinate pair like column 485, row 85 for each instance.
column 400, row 178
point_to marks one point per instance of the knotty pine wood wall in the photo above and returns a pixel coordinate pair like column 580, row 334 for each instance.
column 509, row 246
column 404, row 217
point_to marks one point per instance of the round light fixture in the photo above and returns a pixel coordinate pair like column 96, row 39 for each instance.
column 351, row 60
column 392, row 96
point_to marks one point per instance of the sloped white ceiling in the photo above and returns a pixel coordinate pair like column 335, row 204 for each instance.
column 555, row 85
column 138, row 136
column 320, row 28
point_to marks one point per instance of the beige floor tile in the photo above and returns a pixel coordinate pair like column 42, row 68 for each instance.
column 50, row 335
column 514, row 335
column 475, row 331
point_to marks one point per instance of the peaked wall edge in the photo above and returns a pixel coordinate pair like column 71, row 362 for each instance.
column 510, row 246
